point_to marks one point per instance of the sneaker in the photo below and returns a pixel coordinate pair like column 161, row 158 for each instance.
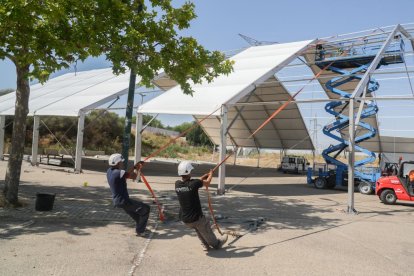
column 221, row 241
column 144, row 234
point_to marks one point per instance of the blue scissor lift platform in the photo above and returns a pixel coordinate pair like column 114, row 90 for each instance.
column 343, row 66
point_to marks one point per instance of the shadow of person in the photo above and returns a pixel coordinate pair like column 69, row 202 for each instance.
column 234, row 252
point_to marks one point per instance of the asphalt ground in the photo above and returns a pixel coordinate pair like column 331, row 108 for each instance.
column 286, row 228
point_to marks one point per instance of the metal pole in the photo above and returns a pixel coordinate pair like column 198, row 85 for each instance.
column 407, row 35
column 236, row 151
column 258, row 158
column 223, row 145
column 2, row 126
column 364, row 80
column 35, row 139
column 79, row 142
column 128, row 117
column 138, row 138
column 351, row 159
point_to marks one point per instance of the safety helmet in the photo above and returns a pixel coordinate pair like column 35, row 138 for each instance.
column 185, row 168
column 115, row 158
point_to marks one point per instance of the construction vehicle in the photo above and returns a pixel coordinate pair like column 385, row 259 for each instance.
column 397, row 187
column 347, row 63
column 294, row 164
column 390, row 168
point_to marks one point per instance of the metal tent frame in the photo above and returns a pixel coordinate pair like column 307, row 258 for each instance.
column 68, row 95
column 383, row 35
column 215, row 104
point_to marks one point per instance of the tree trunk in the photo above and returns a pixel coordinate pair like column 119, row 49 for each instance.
column 12, row 179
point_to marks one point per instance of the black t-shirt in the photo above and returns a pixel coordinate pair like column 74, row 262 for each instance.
column 187, row 193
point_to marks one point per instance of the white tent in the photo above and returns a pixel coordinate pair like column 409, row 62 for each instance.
column 217, row 104
column 71, row 94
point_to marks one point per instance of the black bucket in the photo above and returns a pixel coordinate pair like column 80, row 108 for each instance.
column 44, row 202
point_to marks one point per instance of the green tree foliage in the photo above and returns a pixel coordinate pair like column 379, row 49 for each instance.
column 103, row 131
column 40, row 37
column 183, row 127
column 147, row 40
column 153, row 122
column 196, row 136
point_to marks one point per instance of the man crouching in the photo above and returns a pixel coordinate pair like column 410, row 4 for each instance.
column 190, row 212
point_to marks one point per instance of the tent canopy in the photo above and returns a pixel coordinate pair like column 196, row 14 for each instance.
column 71, row 93
column 397, row 144
column 253, row 80
column 68, row 94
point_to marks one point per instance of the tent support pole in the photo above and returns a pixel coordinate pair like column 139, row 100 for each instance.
column 79, row 142
column 2, row 126
column 35, row 139
column 351, row 159
column 236, row 152
column 223, row 146
column 138, row 138
column 138, row 141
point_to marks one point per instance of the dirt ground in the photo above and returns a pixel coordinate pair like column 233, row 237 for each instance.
column 287, row 228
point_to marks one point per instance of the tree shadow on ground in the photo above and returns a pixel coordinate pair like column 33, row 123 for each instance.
column 247, row 212
column 75, row 209
column 79, row 208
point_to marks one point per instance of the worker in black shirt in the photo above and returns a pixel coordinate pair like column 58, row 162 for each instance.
column 190, row 212
column 116, row 177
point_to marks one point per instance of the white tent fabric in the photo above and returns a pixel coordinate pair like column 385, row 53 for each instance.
column 397, row 144
column 252, row 66
column 286, row 131
column 67, row 94
column 253, row 80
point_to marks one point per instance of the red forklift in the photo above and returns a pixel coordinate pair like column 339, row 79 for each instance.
column 397, row 187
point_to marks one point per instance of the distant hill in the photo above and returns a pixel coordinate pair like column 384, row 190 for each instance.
column 5, row 91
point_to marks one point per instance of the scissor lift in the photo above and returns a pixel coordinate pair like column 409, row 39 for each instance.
column 347, row 64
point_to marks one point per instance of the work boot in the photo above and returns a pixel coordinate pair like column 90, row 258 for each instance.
column 221, row 241
column 206, row 247
column 144, row 234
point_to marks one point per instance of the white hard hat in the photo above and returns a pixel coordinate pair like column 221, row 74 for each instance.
column 185, row 168
column 115, row 158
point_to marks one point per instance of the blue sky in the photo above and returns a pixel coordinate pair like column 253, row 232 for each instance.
column 219, row 23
